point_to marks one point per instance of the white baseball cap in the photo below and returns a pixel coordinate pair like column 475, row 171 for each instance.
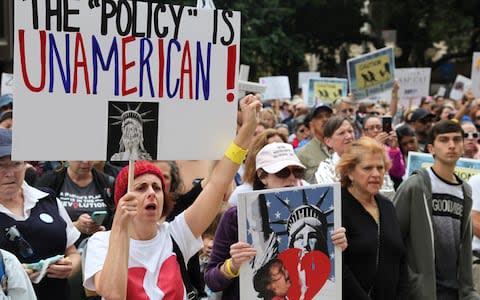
column 276, row 156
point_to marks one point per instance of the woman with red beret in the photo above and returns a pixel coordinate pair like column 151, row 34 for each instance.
column 135, row 260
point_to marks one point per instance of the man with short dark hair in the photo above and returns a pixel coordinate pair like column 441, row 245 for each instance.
column 433, row 207
column 315, row 151
column 421, row 122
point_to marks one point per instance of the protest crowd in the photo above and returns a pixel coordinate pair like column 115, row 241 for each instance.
column 406, row 170
column 429, row 216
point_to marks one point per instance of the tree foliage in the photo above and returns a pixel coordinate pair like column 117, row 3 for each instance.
column 276, row 34
column 421, row 23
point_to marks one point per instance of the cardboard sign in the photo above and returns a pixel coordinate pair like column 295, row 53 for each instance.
column 460, row 87
column 371, row 73
column 476, row 74
column 414, row 84
column 7, row 84
column 464, row 169
column 326, row 90
column 304, row 77
column 106, row 80
column 270, row 220
column 278, row 87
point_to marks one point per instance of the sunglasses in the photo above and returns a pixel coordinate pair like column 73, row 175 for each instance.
column 285, row 172
column 470, row 135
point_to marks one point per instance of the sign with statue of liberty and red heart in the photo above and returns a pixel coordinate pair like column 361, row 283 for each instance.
column 291, row 230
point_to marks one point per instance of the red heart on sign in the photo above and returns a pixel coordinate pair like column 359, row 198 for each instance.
column 316, row 266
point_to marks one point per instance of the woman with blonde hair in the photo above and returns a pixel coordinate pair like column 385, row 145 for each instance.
column 249, row 170
column 375, row 261
column 268, row 117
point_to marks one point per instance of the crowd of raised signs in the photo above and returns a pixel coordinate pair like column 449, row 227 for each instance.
column 86, row 190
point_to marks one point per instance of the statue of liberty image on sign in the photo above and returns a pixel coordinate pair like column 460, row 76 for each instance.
column 127, row 130
column 291, row 231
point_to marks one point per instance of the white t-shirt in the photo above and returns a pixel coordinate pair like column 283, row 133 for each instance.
column 474, row 182
column 152, row 266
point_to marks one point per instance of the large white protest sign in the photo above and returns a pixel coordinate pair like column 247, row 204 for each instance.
column 92, row 75
column 278, row 87
column 476, row 75
column 7, row 84
column 414, row 83
column 460, row 87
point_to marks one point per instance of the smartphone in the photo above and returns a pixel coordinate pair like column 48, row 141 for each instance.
column 387, row 124
column 98, row 217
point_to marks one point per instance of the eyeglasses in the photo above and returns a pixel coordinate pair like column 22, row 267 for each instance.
column 375, row 127
column 470, row 135
column 23, row 247
column 285, row 172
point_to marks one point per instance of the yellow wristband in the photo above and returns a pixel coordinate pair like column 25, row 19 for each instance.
column 228, row 268
column 235, row 153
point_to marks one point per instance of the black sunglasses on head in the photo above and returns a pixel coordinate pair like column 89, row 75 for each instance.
column 285, row 172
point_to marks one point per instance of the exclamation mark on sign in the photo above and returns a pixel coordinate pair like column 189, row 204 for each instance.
column 231, row 67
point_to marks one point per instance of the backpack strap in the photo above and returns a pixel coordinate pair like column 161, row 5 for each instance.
column 191, row 293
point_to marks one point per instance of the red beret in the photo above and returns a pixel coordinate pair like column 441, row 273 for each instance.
column 141, row 167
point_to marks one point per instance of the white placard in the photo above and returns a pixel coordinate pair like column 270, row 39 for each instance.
column 278, row 87
column 476, row 74
column 175, row 66
column 414, row 83
column 7, row 84
column 304, row 77
column 460, row 87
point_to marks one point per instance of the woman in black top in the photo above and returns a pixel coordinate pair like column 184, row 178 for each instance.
column 374, row 264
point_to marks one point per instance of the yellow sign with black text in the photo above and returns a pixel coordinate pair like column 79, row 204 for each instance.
column 372, row 72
